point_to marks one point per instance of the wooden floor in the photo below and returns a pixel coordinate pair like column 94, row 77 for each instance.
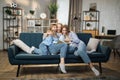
column 8, row 71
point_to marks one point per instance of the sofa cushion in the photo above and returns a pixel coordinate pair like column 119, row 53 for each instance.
column 24, row 56
column 31, row 39
column 92, row 45
column 84, row 37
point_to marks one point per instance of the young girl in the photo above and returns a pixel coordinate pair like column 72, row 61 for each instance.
column 77, row 46
column 59, row 29
column 56, row 47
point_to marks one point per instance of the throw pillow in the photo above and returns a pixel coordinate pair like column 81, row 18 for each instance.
column 22, row 45
column 92, row 45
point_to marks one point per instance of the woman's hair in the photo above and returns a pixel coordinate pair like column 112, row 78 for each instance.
column 66, row 27
column 60, row 25
column 52, row 25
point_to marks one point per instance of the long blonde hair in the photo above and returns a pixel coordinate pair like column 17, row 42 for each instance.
column 51, row 26
column 60, row 25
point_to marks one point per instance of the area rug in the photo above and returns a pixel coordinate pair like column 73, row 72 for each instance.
column 91, row 78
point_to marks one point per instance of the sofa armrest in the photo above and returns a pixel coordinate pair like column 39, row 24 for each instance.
column 105, row 50
column 12, row 51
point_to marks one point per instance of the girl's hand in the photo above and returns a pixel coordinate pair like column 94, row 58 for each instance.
column 49, row 32
column 67, row 41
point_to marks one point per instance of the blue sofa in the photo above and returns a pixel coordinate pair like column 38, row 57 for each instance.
column 18, row 57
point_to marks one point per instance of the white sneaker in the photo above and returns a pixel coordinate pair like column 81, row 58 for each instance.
column 96, row 72
column 31, row 49
column 62, row 68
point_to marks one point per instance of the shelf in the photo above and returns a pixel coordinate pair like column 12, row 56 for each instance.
column 39, row 19
column 43, row 24
column 91, row 20
column 13, row 8
column 12, row 25
column 93, row 32
column 90, row 11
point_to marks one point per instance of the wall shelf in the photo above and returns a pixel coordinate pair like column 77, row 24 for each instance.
column 91, row 22
column 39, row 25
column 12, row 25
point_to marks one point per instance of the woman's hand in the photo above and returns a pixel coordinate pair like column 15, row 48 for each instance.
column 49, row 32
column 67, row 40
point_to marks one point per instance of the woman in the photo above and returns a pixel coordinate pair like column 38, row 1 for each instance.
column 59, row 29
column 58, row 47
column 77, row 46
column 54, row 47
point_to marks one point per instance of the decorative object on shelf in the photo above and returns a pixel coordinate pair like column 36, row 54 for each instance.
column 43, row 15
column 92, row 16
column 32, row 13
column 93, row 7
column 86, row 17
column 14, row 4
column 53, row 7
column 88, row 26
column 103, row 30
column 8, row 11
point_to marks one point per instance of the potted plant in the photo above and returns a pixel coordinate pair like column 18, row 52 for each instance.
column 92, row 17
column 53, row 9
column 88, row 26
column 32, row 13
column 8, row 12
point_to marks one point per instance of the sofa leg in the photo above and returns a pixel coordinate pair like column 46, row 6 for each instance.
column 100, row 67
column 18, row 71
column 57, row 68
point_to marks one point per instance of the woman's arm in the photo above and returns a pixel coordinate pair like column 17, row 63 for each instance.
column 62, row 38
column 74, row 38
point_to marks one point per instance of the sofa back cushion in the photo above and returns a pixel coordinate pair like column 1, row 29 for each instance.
column 84, row 37
column 34, row 39
column 31, row 39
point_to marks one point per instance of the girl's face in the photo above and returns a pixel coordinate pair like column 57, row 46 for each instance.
column 64, row 31
column 59, row 27
column 54, row 28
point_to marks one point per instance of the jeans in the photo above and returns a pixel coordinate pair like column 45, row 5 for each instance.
column 58, row 47
column 81, row 51
column 42, row 50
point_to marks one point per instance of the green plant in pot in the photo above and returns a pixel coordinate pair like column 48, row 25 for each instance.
column 53, row 7
column 88, row 26
column 32, row 12
column 8, row 12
